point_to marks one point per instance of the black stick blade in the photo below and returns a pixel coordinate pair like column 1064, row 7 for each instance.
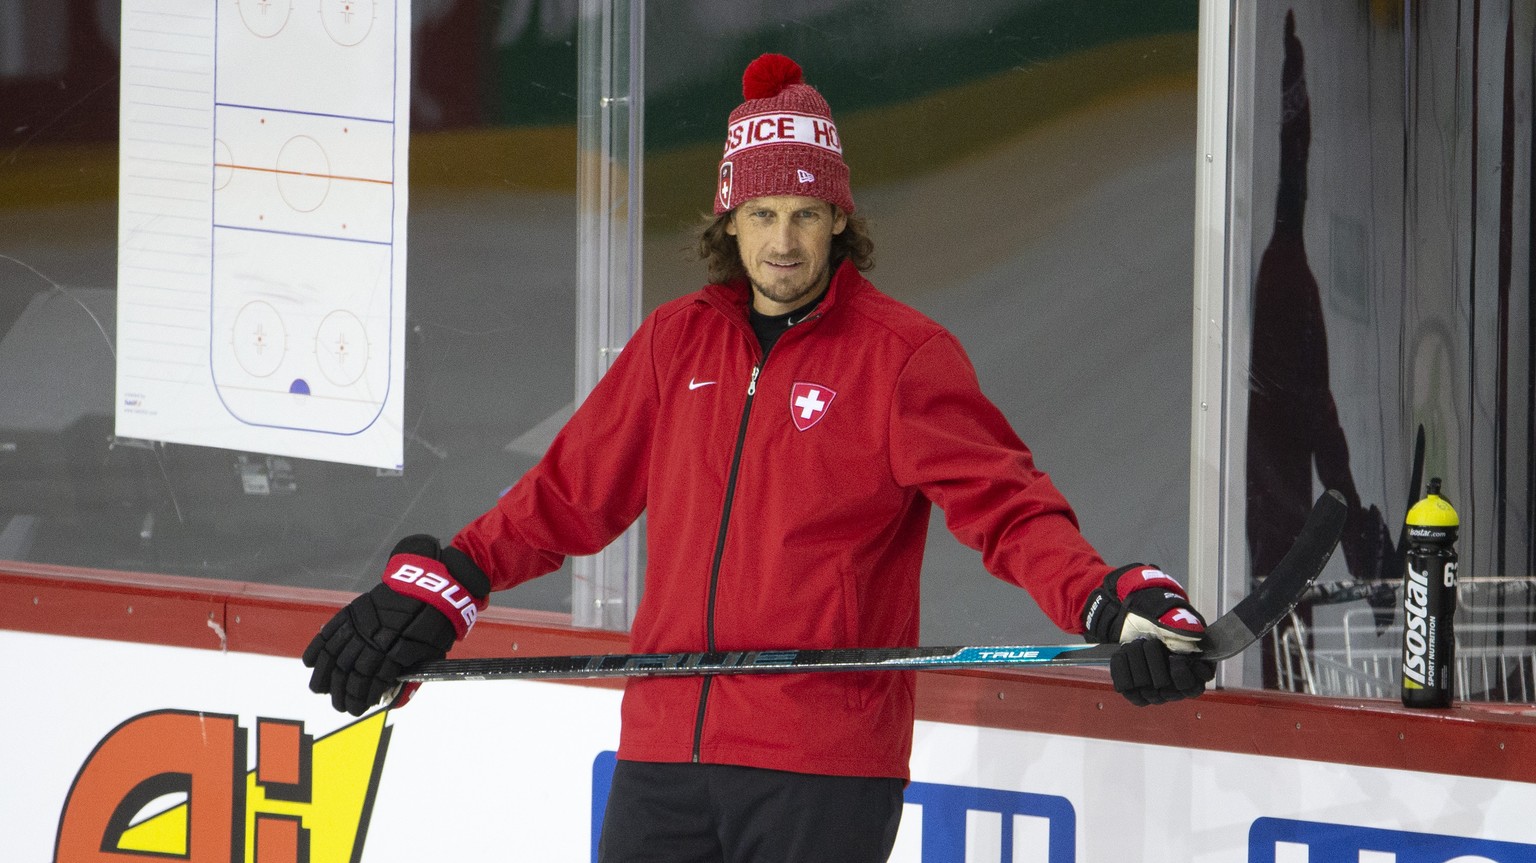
column 1274, row 597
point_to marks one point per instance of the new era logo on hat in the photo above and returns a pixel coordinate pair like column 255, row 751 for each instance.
column 806, row 176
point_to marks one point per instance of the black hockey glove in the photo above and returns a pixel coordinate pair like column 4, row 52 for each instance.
column 429, row 599
column 1146, row 672
column 1149, row 613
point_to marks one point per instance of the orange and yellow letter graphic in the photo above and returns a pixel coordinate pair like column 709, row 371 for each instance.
column 174, row 783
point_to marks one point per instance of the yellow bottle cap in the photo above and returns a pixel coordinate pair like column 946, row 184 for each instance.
column 1433, row 511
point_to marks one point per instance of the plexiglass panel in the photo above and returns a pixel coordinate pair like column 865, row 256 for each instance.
column 490, row 319
column 1027, row 169
column 1386, row 295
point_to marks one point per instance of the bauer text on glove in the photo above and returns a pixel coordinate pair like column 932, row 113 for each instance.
column 429, row 598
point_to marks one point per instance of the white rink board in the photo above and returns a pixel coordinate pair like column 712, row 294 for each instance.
column 503, row 771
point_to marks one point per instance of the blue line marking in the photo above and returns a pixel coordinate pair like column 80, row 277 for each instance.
column 271, row 110
column 302, row 234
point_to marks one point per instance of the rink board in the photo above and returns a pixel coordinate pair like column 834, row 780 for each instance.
column 516, row 771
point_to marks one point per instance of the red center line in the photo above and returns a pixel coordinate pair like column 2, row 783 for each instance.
column 303, row 174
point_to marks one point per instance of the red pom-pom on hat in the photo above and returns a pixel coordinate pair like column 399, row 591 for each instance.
column 768, row 75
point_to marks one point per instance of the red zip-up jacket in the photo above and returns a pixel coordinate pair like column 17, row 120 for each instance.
column 788, row 503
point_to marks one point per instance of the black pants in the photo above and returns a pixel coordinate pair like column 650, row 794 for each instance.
column 715, row 813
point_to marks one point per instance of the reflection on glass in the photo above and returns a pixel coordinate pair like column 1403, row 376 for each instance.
column 1293, row 422
column 1398, row 300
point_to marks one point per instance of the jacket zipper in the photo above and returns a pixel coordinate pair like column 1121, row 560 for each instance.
column 714, row 569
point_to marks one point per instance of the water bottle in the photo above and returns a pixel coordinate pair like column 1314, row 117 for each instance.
column 1429, row 601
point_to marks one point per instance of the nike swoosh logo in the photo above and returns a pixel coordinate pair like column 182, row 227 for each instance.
column 693, row 384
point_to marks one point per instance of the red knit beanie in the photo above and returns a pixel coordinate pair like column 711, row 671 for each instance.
column 781, row 141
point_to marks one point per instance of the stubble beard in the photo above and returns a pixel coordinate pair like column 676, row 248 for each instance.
column 792, row 295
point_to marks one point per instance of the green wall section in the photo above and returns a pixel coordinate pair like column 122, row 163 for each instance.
column 847, row 54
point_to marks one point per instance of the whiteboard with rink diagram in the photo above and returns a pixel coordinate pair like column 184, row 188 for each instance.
column 262, row 214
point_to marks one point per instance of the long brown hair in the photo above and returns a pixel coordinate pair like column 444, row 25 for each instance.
column 722, row 256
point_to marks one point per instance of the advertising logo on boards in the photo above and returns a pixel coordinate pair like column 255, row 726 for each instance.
column 174, row 784
column 1281, row 840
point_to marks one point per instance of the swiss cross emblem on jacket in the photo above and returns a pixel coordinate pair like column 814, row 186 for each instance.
column 808, row 403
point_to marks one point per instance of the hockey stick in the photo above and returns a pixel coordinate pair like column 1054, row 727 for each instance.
column 1229, row 635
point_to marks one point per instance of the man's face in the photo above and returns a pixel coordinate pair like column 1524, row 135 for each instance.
column 786, row 247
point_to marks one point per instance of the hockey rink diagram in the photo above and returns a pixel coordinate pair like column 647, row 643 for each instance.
column 262, row 226
column 303, row 216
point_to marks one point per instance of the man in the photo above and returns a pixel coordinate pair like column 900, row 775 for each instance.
column 787, row 429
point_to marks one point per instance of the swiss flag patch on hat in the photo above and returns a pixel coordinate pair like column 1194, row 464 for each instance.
column 808, row 403
column 724, row 198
